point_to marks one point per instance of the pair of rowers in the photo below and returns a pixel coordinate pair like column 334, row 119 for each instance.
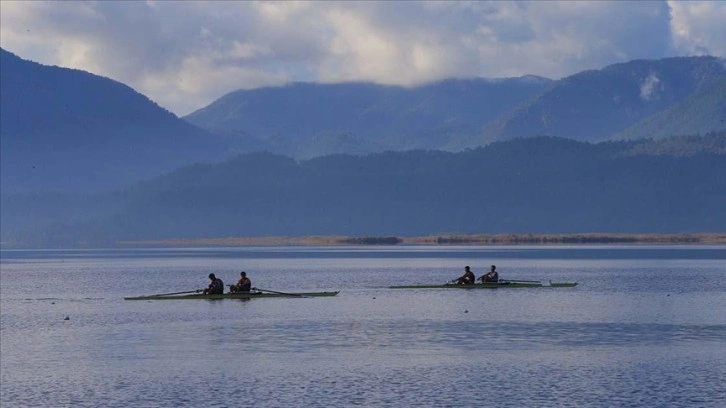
column 216, row 287
column 468, row 278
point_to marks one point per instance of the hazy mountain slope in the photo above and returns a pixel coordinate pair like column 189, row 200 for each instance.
column 307, row 120
column 538, row 185
column 594, row 105
column 66, row 129
column 701, row 113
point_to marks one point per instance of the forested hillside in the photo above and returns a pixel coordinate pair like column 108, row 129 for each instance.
column 538, row 185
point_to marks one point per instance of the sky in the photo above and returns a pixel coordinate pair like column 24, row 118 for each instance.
column 184, row 55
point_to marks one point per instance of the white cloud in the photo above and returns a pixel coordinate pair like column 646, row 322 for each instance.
column 185, row 54
column 699, row 27
column 649, row 87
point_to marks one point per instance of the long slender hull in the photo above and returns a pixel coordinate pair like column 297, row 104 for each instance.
column 492, row 285
column 252, row 295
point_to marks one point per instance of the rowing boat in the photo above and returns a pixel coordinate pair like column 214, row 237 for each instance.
column 492, row 285
column 250, row 295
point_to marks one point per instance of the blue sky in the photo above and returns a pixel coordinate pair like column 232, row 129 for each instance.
column 184, row 55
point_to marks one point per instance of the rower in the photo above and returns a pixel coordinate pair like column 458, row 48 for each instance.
column 467, row 278
column 216, row 287
column 243, row 284
column 492, row 276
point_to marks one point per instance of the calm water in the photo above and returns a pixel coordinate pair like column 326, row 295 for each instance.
column 645, row 327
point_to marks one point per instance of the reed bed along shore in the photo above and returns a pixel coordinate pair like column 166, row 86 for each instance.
column 448, row 239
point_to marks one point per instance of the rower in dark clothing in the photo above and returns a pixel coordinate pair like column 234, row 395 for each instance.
column 492, row 276
column 467, row 278
column 216, row 287
column 243, row 284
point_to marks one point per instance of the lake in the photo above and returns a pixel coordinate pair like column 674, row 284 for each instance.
column 645, row 327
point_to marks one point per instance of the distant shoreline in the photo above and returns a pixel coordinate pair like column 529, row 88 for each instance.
column 447, row 239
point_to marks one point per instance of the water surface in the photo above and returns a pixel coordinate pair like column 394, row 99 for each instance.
column 645, row 327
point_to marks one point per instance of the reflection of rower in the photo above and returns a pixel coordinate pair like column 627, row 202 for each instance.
column 492, row 276
column 467, row 278
column 243, row 284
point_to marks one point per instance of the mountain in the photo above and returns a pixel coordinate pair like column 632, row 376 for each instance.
column 596, row 105
column 306, row 120
column 636, row 99
column 701, row 113
column 529, row 185
column 69, row 130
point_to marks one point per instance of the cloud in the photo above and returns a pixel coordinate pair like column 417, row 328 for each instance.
column 186, row 54
column 649, row 87
column 699, row 28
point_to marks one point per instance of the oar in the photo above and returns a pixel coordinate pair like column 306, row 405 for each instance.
column 279, row 293
column 178, row 293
